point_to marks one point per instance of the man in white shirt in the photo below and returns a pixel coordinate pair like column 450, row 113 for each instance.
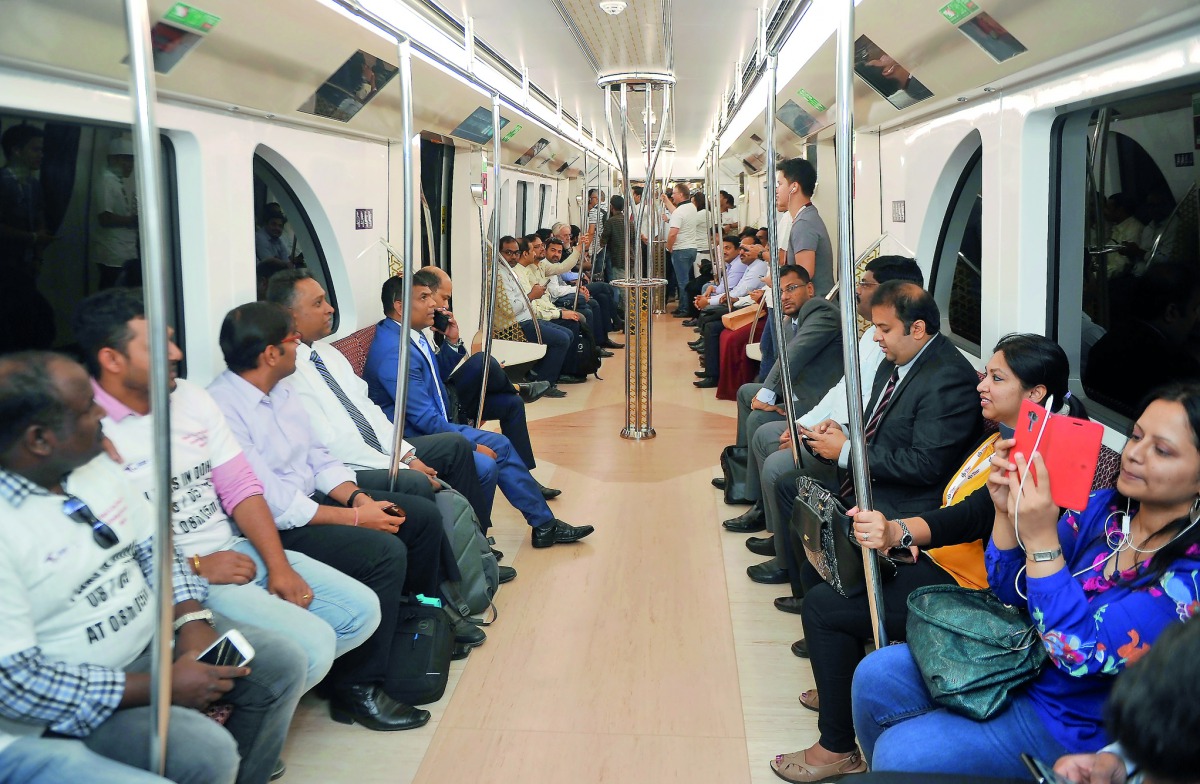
column 681, row 240
column 115, row 240
column 76, row 623
column 729, row 216
column 222, row 524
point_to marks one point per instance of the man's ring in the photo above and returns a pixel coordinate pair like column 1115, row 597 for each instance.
column 866, row 537
column 304, row 596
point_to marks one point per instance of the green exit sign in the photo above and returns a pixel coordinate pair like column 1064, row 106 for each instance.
column 511, row 133
column 811, row 100
column 957, row 10
column 193, row 18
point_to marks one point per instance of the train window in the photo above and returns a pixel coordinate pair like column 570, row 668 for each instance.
column 956, row 281
column 284, row 237
column 543, row 201
column 1128, row 250
column 522, row 206
column 68, row 225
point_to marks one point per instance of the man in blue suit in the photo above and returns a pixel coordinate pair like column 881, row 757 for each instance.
column 426, row 410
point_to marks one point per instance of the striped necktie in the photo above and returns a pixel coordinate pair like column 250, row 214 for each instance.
column 873, row 425
column 364, row 427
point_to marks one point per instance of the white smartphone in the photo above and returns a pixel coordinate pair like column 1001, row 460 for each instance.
column 231, row 649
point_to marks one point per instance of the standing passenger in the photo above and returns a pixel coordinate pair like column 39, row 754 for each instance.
column 115, row 243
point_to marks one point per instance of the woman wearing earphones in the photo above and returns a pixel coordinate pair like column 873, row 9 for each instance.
column 1100, row 585
column 951, row 539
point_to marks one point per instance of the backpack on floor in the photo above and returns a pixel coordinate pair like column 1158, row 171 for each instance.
column 420, row 662
column 587, row 356
column 480, row 573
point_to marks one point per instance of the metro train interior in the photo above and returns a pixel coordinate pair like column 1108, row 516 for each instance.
column 1033, row 163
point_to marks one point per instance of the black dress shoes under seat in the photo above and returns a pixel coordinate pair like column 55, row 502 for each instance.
column 690, row 322
column 753, row 521
column 767, row 573
column 718, row 482
column 604, row 353
column 611, row 344
column 558, row 532
column 554, row 392
column 467, row 633
column 533, row 390
column 507, row 574
column 800, row 648
column 375, row 710
column 568, row 379
column 761, row 545
column 548, row 492
column 708, row 382
column 790, row 604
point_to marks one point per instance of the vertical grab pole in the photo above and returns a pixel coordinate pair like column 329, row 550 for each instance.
column 715, row 242
column 583, row 209
column 410, row 250
column 785, row 366
column 148, row 166
column 496, row 258
column 845, row 162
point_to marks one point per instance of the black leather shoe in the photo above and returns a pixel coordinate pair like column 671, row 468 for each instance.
column 800, row 648
column 279, row 770
column 459, row 652
column 767, row 573
column 604, row 353
column 554, row 392
column 507, row 574
column 708, row 382
column 761, row 545
column 467, row 633
column 718, row 482
column 558, row 532
column 697, row 342
column 790, row 604
column 531, row 391
column 548, row 492
column 499, row 556
column 565, row 379
column 753, row 521
column 370, row 707
column 611, row 344
column 680, row 314
column 690, row 322
column 701, row 374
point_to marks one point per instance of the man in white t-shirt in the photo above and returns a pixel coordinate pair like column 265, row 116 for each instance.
column 77, row 620
column 681, row 241
column 254, row 579
column 115, row 239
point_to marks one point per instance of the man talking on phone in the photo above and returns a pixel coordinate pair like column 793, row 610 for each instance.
column 77, row 620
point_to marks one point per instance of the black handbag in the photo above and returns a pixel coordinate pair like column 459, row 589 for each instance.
column 420, row 665
column 734, row 467
column 823, row 531
column 971, row 648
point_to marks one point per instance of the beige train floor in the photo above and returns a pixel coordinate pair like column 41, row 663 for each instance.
column 643, row 655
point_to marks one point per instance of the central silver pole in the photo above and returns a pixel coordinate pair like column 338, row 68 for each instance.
column 151, row 220
column 495, row 259
column 860, row 470
column 410, row 251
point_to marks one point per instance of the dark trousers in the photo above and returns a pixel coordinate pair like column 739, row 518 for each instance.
column 558, row 343
column 570, row 364
column 837, row 627
column 607, row 299
column 693, row 289
column 590, row 310
column 501, row 403
column 452, row 456
column 712, row 347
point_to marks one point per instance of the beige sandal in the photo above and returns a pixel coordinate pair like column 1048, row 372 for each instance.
column 811, row 700
column 792, row 767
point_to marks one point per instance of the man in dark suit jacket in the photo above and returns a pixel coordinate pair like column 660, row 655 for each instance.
column 426, row 409
column 924, row 411
column 814, row 351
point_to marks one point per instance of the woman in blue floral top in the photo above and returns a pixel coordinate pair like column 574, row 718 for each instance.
column 1099, row 598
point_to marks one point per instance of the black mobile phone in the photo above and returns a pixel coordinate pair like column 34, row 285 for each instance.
column 1041, row 772
column 440, row 320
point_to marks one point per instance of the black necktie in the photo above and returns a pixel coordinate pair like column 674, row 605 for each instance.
column 364, row 427
column 873, row 425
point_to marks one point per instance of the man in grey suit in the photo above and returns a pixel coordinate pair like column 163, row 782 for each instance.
column 812, row 326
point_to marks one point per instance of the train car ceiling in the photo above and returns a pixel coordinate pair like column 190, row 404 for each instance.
column 948, row 59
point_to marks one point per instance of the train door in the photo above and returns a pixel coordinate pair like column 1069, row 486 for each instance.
column 437, row 177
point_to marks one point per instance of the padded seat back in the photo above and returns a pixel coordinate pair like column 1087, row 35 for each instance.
column 354, row 347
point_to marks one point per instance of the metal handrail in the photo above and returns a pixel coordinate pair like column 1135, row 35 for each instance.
column 497, row 260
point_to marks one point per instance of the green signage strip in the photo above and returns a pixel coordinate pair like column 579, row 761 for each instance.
column 957, row 10
column 193, row 18
column 812, row 101
column 511, row 133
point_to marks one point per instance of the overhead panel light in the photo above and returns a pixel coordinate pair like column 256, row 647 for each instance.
column 613, row 7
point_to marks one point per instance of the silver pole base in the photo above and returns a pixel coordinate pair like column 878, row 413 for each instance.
column 638, row 324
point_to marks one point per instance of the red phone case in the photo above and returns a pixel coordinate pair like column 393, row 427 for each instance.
column 1070, row 448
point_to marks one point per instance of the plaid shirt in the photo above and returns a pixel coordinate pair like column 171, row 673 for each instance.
column 73, row 699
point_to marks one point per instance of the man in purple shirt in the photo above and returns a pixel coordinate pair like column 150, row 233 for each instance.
column 317, row 505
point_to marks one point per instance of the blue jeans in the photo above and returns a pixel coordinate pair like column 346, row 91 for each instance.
column 34, row 760
column 901, row 728
column 558, row 342
column 343, row 613
column 681, row 262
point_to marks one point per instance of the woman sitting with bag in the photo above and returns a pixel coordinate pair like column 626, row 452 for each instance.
column 837, row 627
column 1100, row 586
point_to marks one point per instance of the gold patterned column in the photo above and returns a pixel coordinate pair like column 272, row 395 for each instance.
column 638, row 324
column 658, row 269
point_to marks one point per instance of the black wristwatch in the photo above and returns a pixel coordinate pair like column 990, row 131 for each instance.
column 356, row 494
column 906, row 539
